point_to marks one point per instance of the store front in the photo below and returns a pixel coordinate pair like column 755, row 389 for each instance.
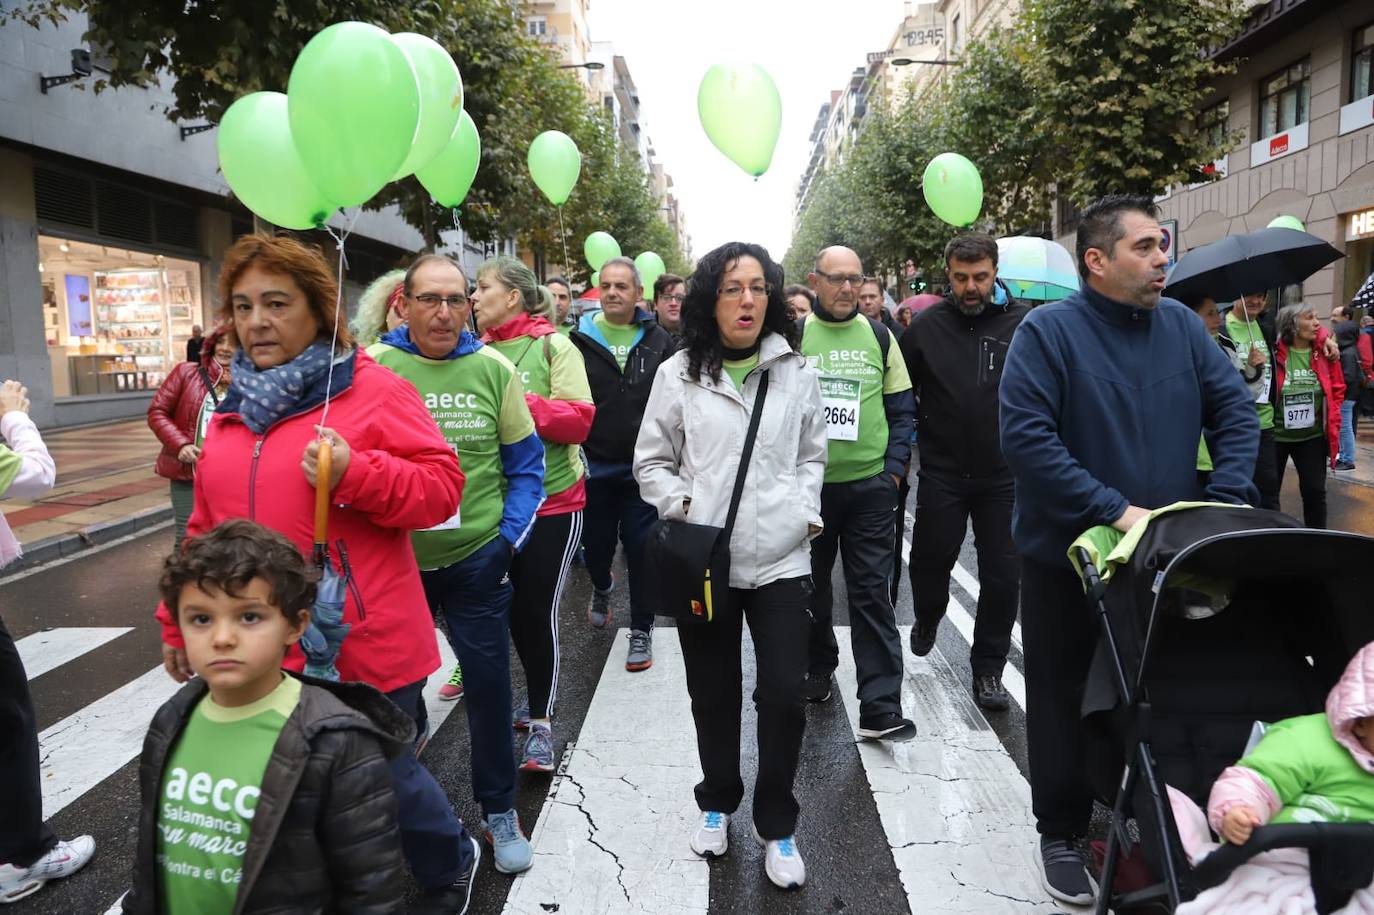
column 115, row 320
column 1359, row 249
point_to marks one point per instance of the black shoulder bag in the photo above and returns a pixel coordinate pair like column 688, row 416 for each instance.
column 690, row 563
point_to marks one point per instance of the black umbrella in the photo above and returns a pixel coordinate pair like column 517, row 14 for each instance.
column 1241, row 264
column 1364, row 298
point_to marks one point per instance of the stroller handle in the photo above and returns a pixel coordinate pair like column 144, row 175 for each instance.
column 326, row 466
column 1352, row 842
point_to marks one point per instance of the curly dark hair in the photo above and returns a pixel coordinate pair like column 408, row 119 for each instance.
column 232, row 555
column 700, row 335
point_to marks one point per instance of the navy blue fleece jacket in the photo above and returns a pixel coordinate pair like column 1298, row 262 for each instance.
column 1101, row 407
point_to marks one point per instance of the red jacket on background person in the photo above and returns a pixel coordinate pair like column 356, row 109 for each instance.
column 1333, row 387
column 402, row 476
column 176, row 406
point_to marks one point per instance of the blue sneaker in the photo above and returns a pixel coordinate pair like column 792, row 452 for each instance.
column 510, row 849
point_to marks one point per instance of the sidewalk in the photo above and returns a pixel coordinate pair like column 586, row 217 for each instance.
column 105, row 489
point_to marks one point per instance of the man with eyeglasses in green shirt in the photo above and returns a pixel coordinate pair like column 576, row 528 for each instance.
column 870, row 414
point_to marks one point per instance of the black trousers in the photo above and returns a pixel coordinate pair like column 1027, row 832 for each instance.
column 24, row 837
column 943, row 507
column 1058, row 633
column 859, row 518
column 1310, row 457
column 538, row 572
column 1267, row 479
column 777, row 615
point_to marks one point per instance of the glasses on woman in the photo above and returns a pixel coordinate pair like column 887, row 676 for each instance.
column 734, row 291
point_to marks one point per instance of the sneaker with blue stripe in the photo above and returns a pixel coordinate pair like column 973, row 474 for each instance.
column 782, row 862
column 711, row 838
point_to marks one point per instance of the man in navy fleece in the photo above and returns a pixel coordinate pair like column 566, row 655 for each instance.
column 1103, row 399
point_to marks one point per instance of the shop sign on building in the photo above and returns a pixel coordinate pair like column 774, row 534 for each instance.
column 1360, row 225
column 1279, row 145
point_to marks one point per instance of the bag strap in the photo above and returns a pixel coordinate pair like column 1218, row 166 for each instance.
column 209, row 386
column 745, row 455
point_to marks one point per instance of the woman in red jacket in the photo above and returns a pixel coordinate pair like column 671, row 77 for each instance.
column 392, row 472
column 179, row 414
column 1307, row 420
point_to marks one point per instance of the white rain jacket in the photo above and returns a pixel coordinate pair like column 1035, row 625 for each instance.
column 689, row 448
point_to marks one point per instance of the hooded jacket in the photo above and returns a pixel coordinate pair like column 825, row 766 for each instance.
column 955, row 363
column 620, row 396
column 1348, row 339
column 556, row 391
column 401, row 476
column 1102, row 405
column 1311, row 769
column 176, row 406
column 324, row 837
column 690, row 444
column 1333, row 387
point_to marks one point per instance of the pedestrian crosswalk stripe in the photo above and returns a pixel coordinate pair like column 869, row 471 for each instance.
column 83, row 749
column 613, row 835
column 953, row 805
column 1011, row 676
column 50, row 649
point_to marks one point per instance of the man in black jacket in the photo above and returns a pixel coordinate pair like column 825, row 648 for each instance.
column 954, row 353
column 622, row 347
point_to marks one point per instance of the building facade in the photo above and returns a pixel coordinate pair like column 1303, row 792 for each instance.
column 1302, row 101
column 113, row 221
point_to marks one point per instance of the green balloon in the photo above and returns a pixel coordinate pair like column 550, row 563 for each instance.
column 1287, row 222
column 262, row 166
column 354, row 106
column 650, row 267
column 599, row 248
column 741, row 111
column 554, row 165
column 441, row 98
column 953, row 189
column 448, row 176
column 596, row 279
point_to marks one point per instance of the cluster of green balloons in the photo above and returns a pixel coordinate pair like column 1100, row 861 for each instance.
column 362, row 108
column 602, row 246
column 953, row 189
column 741, row 112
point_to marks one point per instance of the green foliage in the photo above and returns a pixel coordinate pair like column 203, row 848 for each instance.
column 1122, row 85
column 1080, row 99
column 513, row 89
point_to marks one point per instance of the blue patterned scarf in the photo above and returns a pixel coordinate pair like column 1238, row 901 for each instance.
column 267, row 395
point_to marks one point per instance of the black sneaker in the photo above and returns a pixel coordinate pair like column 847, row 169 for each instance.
column 454, row 898
column 816, row 688
column 1343, row 466
column 886, row 726
column 923, row 639
column 990, row 694
column 1064, row 871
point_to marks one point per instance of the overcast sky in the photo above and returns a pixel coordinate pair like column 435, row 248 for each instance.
column 808, row 46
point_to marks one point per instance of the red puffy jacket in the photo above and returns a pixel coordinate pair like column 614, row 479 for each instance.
column 1333, row 387
column 401, row 476
column 176, row 406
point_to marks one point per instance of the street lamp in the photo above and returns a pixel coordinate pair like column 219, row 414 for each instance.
column 589, row 65
column 907, row 61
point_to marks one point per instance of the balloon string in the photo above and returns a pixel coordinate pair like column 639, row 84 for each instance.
column 563, row 236
column 456, row 226
column 339, row 240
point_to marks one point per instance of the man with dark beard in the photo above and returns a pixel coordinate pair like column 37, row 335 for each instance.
column 954, row 353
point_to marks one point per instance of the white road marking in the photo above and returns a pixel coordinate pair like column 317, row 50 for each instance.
column 50, row 649
column 613, row 835
column 438, row 709
column 83, row 749
column 953, row 805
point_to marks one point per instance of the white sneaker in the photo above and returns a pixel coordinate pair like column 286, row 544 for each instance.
column 712, row 837
column 65, row 859
column 782, row 862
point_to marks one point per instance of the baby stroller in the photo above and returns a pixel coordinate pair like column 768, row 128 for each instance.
column 1214, row 617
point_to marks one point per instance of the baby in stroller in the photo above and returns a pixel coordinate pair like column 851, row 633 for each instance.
column 1310, row 769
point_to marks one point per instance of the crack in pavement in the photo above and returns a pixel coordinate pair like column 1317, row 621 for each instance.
column 591, row 835
column 989, row 892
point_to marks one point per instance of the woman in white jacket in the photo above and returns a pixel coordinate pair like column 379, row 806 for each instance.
column 735, row 328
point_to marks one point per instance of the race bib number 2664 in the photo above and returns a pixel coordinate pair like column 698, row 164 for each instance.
column 840, row 398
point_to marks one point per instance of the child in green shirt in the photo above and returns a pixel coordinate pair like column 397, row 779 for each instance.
column 262, row 791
